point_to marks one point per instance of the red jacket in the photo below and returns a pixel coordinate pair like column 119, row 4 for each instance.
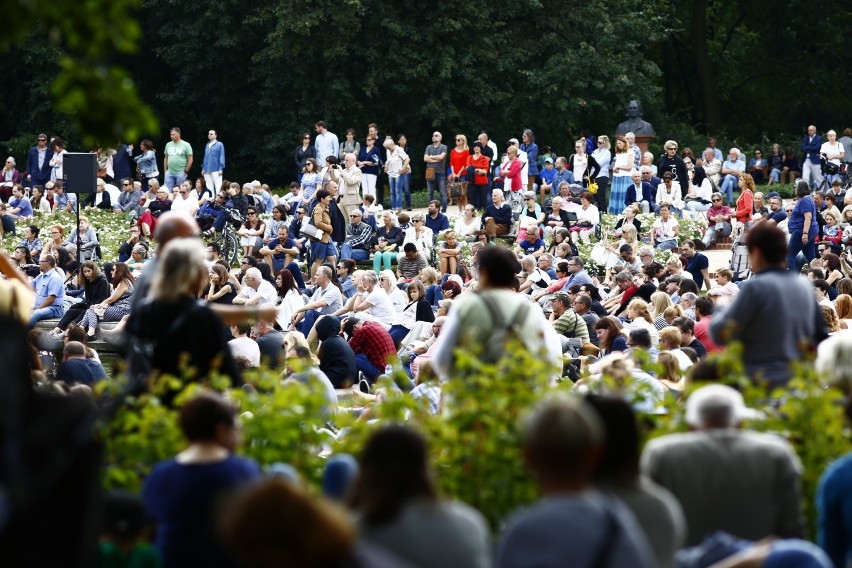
column 512, row 170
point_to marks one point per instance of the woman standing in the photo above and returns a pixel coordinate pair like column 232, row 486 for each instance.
column 303, row 152
column 622, row 171
column 310, row 180
column 477, row 175
column 458, row 168
column 531, row 148
column 510, row 171
column 833, row 152
column 58, row 147
column 396, row 163
column 322, row 250
column 95, row 290
column 603, row 157
column 146, row 164
column 745, row 202
column 405, row 173
column 369, row 160
column 416, row 310
column 117, row 305
column 582, row 165
column 389, row 238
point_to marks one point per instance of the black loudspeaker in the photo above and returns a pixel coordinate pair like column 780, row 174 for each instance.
column 81, row 172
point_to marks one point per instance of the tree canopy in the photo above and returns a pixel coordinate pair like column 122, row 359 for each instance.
column 263, row 72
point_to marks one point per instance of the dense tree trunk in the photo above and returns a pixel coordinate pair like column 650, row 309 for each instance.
column 708, row 90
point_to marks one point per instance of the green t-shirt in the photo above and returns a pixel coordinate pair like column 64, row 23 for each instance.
column 142, row 556
column 178, row 153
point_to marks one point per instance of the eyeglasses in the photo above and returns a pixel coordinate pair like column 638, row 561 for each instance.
column 354, row 216
column 600, row 142
column 717, row 201
column 306, row 138
column 42, row 139
column 417, row 221
column 248, row 213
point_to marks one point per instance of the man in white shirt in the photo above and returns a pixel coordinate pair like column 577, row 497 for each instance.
column 185, row 199
column 326, row 143
column 256, row 291
column 374, row 303
column 244, row 349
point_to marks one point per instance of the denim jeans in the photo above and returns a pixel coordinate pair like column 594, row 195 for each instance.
column 365, row 366
column 50, row 312
column 346, row 252
column 440, row 182
column 667, row 245
column 170, row 180
column 795, row 245
column 405, row 185
column 775, row 176
column 395, row 184
column 728, row 185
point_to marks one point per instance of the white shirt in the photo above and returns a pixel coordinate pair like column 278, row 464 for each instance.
column 383, row 310
column 834, row 152
column 326, row 145
column 268, row 293
column 245, row 348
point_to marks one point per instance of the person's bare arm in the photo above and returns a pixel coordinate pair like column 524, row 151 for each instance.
column 188, row 164
column 231, row 315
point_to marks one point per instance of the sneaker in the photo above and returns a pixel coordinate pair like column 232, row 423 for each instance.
column 56, row 334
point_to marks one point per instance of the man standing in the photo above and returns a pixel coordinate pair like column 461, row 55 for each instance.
column 726, row 478
column 775, row 314
column 325, row 143
column 573, row 524
column 357, row 241
column 697, row 264
column 435, row 220
column 811, row 167
column 49, row 291
column 350, row 185
column 497, row 218
column 435, row 157
column 214, row 162
column 177, row 159
column 562, row 175
column 38, row 162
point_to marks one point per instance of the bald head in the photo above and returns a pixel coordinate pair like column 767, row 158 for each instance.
column 175, row 225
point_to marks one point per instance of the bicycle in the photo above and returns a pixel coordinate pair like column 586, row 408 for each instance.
column 228, row 240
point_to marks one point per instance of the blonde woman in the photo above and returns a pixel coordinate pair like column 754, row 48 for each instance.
column 843, row 306
column 670, row 340
column 660, row 302
column 675, row 267
column 640, row 318
column 670, row 374
column 293, row 339
column 622, row 171
column 387, row 280
column 458, row 166
column 831, row 321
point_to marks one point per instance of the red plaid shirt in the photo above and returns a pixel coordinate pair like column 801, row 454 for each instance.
column 375, row 342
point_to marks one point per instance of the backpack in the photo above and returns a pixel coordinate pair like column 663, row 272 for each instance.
column 502, row 333
column 739, row 261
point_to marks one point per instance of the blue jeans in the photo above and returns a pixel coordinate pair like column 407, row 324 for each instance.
column 667, row 245
column 728, row 185
column 50, row 312
column 278, row 264
column 170, row 180
column 440, row 182
column 346, row 252
column 395, row 184
column 398, row 333
column 775, row 175
column 384, row 258
column 796, row 245
column 365, row 366
column 405, row 186
column 307, row 323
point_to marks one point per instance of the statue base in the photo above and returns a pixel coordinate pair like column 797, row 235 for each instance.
column 642, row 140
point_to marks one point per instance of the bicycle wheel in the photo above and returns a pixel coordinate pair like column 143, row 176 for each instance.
column 229, row 248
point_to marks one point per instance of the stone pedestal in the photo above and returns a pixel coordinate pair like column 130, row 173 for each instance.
column 642, row 140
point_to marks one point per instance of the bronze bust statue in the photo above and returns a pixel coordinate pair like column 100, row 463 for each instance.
column 634, row 122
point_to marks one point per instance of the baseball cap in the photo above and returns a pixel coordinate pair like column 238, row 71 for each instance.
column 548, row 161
column 718, row 395
column 563, row 297
column 513, row 140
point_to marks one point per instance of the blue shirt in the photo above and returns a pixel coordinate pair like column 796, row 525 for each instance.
column 547, row 175
column 438, row 224
column 61, row 201
column 529, row 247
column 797, row 217
column 80, row 371
column 287, row 244
column 559, row 177
column 48, row 284
column 26, row 209
column 834, row 510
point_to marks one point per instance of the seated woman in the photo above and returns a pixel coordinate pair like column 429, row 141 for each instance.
column 387, row 280
column 117, row 305
column 468, row 223
column 610, row 337
column 664, row 232
column 698, row 198
column 291, row 298
column 251, row 233
column 449, row 254
column 148, row 220
column 417, row 309
column 387, row 242
column 419, row 234
column 718, row 220
column 95, row 291
column 429, row 278
column 221, row 290
column 138, row 259
column 790, row 170
column 831, row 233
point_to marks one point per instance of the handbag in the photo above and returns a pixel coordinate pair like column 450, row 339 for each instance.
column 600, row 254
column 429, row 174
column 99, row 310
column 454, row 189
column 310, row 230
column 593, row 186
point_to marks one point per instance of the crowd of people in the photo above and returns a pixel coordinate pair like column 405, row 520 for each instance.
column 336, row 290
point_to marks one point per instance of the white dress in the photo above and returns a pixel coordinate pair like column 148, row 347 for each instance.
column 291, row 302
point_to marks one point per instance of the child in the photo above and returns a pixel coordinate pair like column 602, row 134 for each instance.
column 726, row 290
column 121, row 534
